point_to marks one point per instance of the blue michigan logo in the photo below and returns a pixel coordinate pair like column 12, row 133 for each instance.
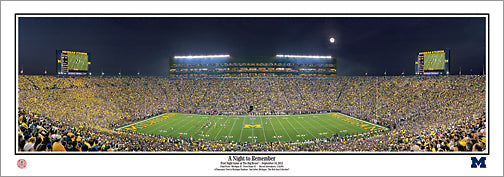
column 475, row 162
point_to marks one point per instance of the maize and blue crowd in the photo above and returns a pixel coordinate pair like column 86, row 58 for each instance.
column 81, row 114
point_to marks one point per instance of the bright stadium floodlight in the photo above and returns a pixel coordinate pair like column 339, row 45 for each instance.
column 302, row 56
column 200, row 56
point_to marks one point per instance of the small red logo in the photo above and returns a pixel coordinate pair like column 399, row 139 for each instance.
column 21, row 163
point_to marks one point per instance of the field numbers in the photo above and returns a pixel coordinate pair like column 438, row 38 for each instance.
column 247, row 128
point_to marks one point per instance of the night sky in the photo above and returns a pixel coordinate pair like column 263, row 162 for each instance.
column 132, row 45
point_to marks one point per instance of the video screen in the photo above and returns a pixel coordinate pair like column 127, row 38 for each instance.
column 434, row 61
column 72, row 62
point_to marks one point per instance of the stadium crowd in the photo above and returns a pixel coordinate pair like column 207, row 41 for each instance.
column 440, row 113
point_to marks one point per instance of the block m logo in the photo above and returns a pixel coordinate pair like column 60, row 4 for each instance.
column 254, row 126
column 476, row 162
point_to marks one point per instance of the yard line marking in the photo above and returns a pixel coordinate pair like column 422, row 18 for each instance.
column 327, row 123
column 276, row 135
column 220, row 127
column 163, row 125
column 305, row 128
column 263, row 127
column 316, row 117
column 183, row 127
column 202, row 126
column 197, row 124
column 242, row 129
column 253, row 128
column 337, row 121
column 290, row 139
column 294, row 128
column 231, row 130
column 160, row 125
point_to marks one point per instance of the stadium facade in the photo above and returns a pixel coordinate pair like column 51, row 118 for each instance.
column 250, row 66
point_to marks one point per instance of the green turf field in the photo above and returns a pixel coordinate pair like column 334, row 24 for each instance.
column 434, row 61
column 254, row 128
column 77, row 62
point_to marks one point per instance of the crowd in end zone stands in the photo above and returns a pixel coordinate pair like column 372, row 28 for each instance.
column 434, row 114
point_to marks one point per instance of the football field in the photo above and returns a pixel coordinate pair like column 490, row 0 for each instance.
column 254, row 128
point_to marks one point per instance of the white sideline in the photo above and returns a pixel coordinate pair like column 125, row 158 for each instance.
column 364, row 121
column 255, row 115
column 140, row 121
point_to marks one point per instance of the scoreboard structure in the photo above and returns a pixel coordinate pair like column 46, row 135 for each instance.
column 435, row 62
column 72, row 62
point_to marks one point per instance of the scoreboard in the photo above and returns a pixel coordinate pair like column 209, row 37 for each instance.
column 72, row 62
column 433, row 63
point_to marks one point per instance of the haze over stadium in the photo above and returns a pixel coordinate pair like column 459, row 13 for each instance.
column 234, row 84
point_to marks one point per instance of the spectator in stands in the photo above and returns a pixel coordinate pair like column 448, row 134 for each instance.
column 425, row 114
column 57, row 146
column 30, row 144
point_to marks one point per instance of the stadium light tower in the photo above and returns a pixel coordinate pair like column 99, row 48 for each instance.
column 303, row 56
column 331, row 40
column 200, row 56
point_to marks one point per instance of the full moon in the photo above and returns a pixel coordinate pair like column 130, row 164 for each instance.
column 331, row 40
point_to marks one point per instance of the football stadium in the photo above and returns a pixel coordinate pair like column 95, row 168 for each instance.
column 296, row 101
column 345, row 113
